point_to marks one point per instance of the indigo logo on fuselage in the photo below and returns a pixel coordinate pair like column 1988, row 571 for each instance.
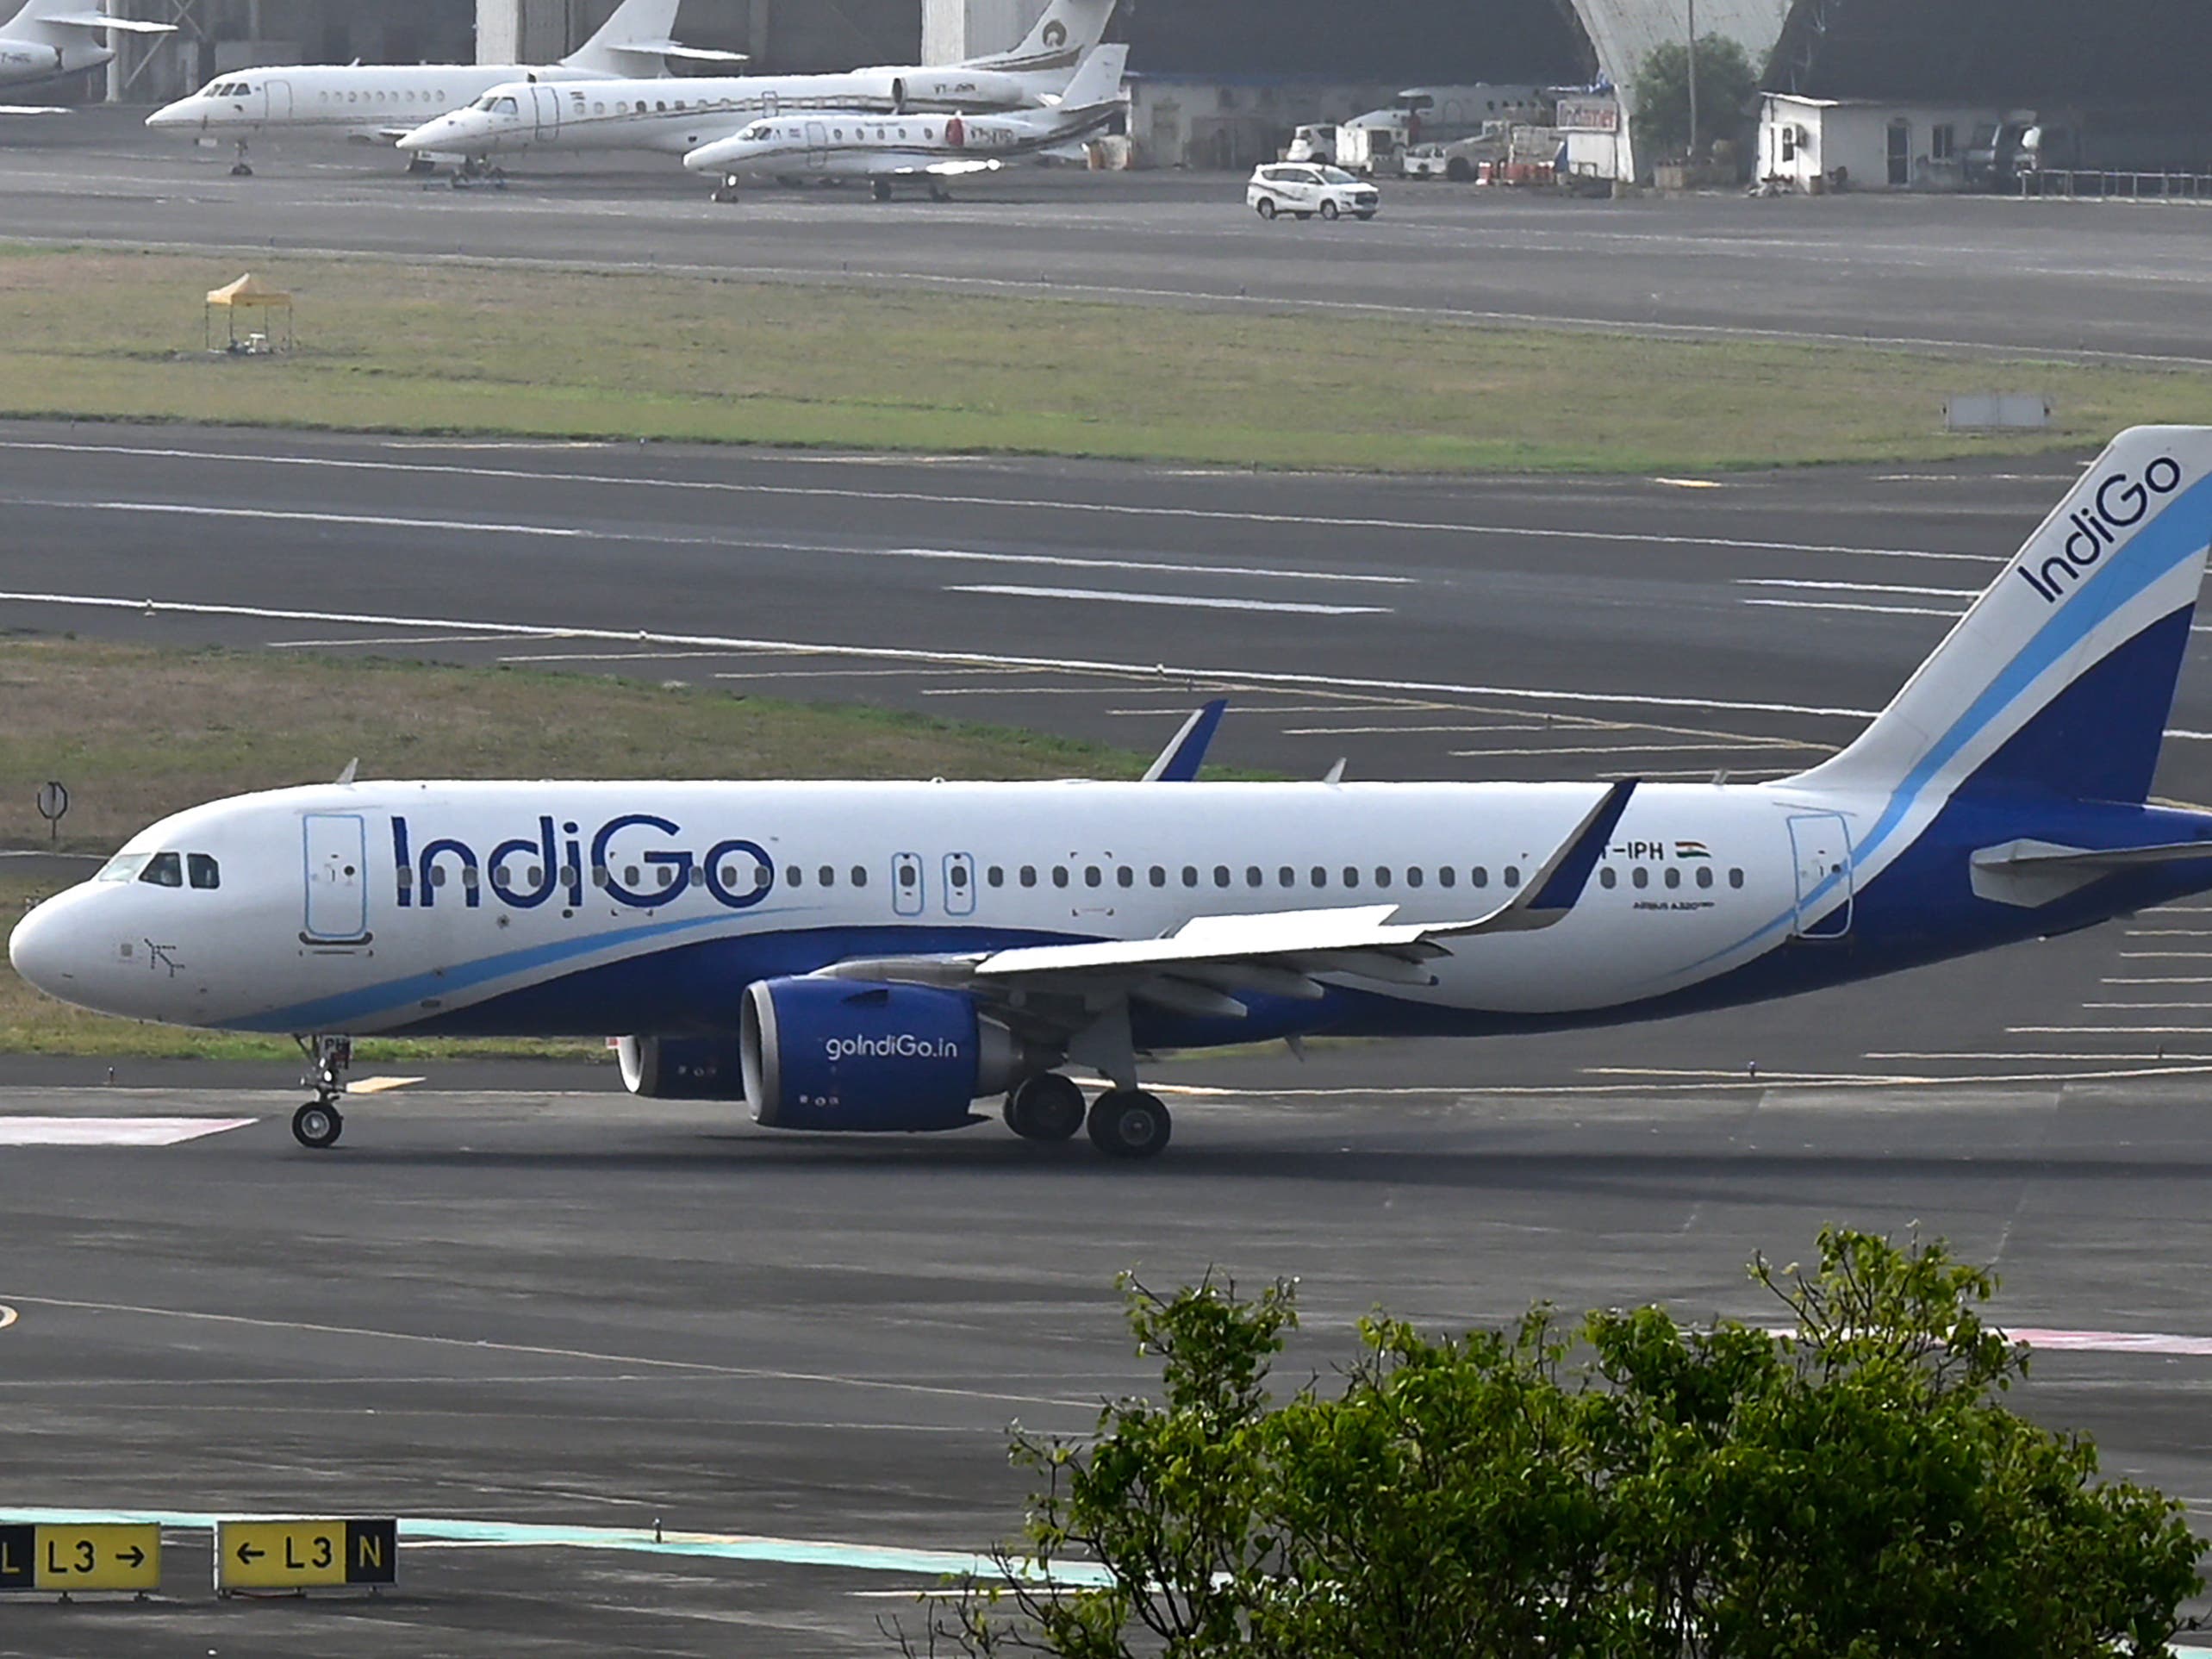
column 2119, row 502
column 530, row 870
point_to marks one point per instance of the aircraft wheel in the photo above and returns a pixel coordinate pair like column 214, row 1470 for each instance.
column 1327, row 209
column 1129, row 1123
column 1364, row 213
column 1267, row 208
column 240, row 170
column 1047, row 1106
column 879, row 189
column 317, row 1125
column 727, row 191
column 420, row 164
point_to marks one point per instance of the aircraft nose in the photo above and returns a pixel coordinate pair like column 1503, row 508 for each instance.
column 170, row 115
column 36, row 949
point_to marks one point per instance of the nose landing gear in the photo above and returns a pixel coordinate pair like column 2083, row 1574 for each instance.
column 239, row 169
column 318, row 1123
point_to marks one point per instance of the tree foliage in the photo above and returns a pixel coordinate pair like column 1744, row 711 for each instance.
column 1853, row 1487
column 1726, row 85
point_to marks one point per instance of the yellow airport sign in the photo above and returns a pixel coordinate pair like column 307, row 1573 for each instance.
column 302, row 1555
column 81, row 1556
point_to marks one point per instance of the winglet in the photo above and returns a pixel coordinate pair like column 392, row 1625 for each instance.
column 1186, row 751
column 1555, row 888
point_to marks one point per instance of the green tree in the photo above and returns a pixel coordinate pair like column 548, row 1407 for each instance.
column 1854, row 1488
column 1726, row 84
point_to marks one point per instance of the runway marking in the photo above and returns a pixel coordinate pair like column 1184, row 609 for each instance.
column 1181, row 602
column 2182, row 1066
column 2152, row 1059
column 2170, row 933
column 381, row 1085
column 2165, row 979
column 701, row 1367
column 1841, row 605
column 2143, row 1006
column 1726, row 745
column 1858, row 587
column 957, row 658
column 572, row 532
column 2111, row 1342
column 932, row 1564
column 112, row 1131
column 1202, row 514
column 2109, row 1030
column 2165, row 956
column 387, row 640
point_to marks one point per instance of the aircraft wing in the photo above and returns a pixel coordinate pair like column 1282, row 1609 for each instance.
column 101, row 20
column 1197, row 968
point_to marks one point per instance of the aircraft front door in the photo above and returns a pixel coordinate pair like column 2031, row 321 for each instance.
column 280, row 100
column 545, row 109
column 818, row 144
column 1900, row 153
column 1821, row 844
column 334, row 845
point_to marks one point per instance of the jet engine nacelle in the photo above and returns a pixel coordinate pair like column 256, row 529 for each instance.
column 957, row 88
column 681, row 1067
column 847, row 1054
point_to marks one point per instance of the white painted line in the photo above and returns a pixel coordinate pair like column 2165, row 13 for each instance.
column 1377, row 731
column 1178, row 601
column 2154, row 979
column 2170, row 933
column 569, row 531
column 2165, row 956
column 388, row 639
column 2112, row 1341
column 2038, row 1055
column 112, row 1131
column 1202, row 514
column 2139, row 1007
column 1312, row 683
column 2109, row 1030
column 1719, row 745
column 1840, row 605
column 1962, row 594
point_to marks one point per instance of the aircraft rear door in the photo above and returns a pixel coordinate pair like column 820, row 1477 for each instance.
column 335, row 863
column 818, row 144
column 1820, row 843
column 545, row 109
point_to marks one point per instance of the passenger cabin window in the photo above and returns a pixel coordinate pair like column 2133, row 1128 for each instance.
column 164, row 870
column 203, row 871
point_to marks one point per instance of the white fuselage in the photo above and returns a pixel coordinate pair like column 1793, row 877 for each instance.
column 24, row 61
column 674, row 117
column 362, row 100
column 855, row 143
column 381, row 907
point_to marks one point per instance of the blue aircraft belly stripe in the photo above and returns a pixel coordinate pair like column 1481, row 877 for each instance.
column 334, row 1012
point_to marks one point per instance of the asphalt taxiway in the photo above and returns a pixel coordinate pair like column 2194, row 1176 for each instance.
column 535, row 1325
column 2103, row 281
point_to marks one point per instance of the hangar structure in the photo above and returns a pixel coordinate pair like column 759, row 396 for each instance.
column 1392, row 42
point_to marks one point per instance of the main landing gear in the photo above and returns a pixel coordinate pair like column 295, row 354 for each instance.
column 318, row 1123
column 1125, row 1123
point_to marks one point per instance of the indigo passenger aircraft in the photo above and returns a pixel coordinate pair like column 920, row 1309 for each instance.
column 878, row 957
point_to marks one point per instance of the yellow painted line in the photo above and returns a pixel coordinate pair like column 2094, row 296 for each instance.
column 380, row 1085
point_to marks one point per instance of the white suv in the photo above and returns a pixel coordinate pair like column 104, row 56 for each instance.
column 1306, row 188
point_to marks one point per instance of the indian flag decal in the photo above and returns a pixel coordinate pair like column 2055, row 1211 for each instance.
column 1691, row 850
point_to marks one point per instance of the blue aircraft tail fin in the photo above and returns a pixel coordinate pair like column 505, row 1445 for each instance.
column 2059, row 679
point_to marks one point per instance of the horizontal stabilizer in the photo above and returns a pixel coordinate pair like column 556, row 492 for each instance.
column 695, row 55
column 2029, row 873
column 101, row 20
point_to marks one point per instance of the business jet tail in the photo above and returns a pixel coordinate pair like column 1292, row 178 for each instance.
column 2057, row 682
column 637, row 31
column 37, row 15
column 1067, row 31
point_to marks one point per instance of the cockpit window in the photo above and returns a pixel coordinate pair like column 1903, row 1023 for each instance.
column 123, row 867
column 204, row 871
column 504, row 107
column 164, row 870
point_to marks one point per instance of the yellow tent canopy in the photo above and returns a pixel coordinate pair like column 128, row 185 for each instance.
column 254, row 296
column 248, row 289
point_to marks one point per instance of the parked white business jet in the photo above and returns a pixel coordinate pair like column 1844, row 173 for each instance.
column 877, row 957
column 380, row 102
column 48, row 38
column 891, row 149
column 674, row 118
